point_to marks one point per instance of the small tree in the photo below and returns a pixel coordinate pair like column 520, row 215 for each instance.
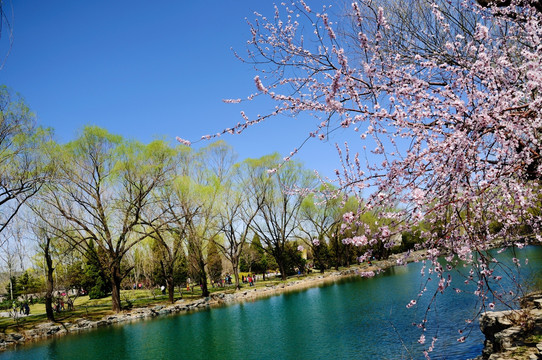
column 27, row 283
column 95, row 278
column 180, row 270
column 214, row 262
column 260, row 260
column 294, row 262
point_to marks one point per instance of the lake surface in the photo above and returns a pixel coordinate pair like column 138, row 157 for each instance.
column 352, row 319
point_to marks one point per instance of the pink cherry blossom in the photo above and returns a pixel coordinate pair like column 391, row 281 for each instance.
column 421, row 340
column 183, row 141
column 367, row 274
column 348, row 217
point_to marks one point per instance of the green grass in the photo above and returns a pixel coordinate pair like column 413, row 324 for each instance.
column 534, row 339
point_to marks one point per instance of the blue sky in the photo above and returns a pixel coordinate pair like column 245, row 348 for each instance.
column 147, row 70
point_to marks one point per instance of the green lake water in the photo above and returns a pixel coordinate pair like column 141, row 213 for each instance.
column 352, row 319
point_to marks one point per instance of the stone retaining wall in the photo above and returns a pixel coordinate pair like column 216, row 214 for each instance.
column 514, row 334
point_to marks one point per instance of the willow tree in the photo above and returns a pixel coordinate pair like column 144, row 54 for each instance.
column 102, row 188
column 240, row 202
column 175, row 212
column 281, row 195
column 50, row 248
column 192, row 201
column 23, row 168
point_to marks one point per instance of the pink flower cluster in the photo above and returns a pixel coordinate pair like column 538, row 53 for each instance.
column 183, row 141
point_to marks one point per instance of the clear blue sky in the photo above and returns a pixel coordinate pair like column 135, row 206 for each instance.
column 145, row 70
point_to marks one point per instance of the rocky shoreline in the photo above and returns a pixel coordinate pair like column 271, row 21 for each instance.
column 514, row 334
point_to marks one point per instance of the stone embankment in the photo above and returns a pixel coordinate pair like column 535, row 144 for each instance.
column 50, row 329
column 514, row 334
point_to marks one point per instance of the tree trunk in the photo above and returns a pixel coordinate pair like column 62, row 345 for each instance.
column 336, row 258
column 203, row 276
column 49, row 293
column 10, row 286
column 204, row 287
column 49, row 297
column 168, row 275
column 115, row 288
column 235, row 265
column 282, row 270
column 171, row 289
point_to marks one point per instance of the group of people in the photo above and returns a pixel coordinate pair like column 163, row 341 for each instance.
column 60, row 305
column 23, row 309
column 222, row 282
column 228, row 280
column 250, row 279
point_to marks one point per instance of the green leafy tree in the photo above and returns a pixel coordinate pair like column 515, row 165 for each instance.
column 321, row 256
column 260, row 260
column 75, row 275
column 214, row 262
column 95, row 279
column 319, row 214
column 180, row 270
column 293, row 260
column 28, row 284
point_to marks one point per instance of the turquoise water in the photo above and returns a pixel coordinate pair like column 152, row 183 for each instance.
column 351, row 319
